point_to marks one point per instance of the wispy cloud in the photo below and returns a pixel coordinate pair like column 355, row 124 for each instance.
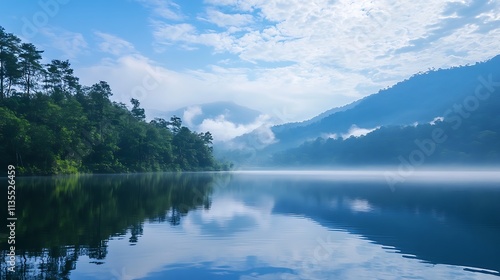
column 187, row 35
column 227, row 20
column 164, row 9
column 281, row 88
column 478, row 15
column 113, row 44
column 355, row 131
column 346, row 35
column 307, row 56
column 224, row 130
column 190, row 113
column 71, row 44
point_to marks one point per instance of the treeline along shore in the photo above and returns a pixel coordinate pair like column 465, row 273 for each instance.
column 51, row 124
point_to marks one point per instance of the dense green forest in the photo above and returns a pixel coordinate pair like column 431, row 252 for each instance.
column 468, row 133
column 51, row 124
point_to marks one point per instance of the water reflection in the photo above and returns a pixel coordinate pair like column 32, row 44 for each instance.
column 61, row 219
column 251, row 226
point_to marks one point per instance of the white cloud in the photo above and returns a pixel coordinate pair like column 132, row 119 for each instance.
column 334, row 136
column 355, row 131
column 174, row 32
column 190, row 113
column 334, row 51
column 113, row 44
column 165, row 9
column 242, row 5
column 71, row 44
column 135, row 76
column 306, row 57
column 224, row 130
column 227, row 20
column 265, row 135
column 188, row 36
column 161, row 89
column 436, row 119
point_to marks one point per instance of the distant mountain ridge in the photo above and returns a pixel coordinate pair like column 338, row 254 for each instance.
column 466, row 135
column 418, row 99
column 285, row 126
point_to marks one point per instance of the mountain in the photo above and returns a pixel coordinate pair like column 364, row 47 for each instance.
column 419, row 99
column 466, row 136
column 286, row 126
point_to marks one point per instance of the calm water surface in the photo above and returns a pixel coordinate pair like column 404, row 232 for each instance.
column 256, row 225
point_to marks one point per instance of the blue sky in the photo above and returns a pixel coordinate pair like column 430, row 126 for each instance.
column 290, row 59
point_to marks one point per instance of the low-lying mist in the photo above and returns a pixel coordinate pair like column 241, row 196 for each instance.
column 390, row 174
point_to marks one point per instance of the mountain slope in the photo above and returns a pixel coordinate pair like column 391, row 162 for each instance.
column 418, row 99
column 286, row 126
column 467, row 136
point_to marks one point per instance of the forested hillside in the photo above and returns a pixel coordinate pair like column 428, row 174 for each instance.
column 468, row 134
column 51, row 124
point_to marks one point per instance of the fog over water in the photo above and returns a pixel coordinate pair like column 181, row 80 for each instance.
column 489, row 174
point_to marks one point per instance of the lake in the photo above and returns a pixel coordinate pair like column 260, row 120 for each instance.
column 256, row 225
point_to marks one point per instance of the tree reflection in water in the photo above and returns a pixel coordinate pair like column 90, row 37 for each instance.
column 63, row 218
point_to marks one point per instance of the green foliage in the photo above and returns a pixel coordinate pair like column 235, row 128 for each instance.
column 50, row 124
column 10, row 71
column 136, row 111
column 469, row 138
column 29, row 62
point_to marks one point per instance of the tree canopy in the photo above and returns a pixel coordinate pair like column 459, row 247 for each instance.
column 51, row 124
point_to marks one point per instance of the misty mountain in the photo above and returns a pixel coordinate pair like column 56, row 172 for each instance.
column 466, row 136
column 224, row 120
column 194, row 115
column 287, row 126
column 419, row 99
